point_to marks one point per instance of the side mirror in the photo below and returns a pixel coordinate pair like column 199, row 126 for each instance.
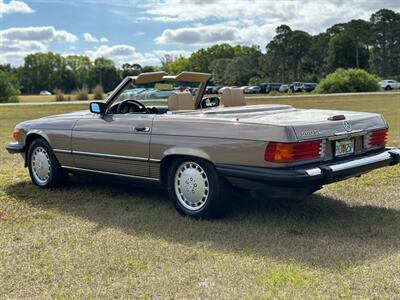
column 97, row 107
column 210, row 102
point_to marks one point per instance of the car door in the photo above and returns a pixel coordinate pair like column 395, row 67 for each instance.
column 115, row 143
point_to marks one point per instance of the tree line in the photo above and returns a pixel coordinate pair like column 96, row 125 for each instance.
column 295, row 55
column 50, row 71
column 292, row 55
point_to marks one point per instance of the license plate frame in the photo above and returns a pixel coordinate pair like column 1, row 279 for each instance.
column 344, row 147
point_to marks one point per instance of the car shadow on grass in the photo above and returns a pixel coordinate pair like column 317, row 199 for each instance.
column 322, row 231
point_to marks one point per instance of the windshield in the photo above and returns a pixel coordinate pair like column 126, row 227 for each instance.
column 157, row 91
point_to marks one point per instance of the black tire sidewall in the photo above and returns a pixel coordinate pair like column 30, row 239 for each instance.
column 214, row 204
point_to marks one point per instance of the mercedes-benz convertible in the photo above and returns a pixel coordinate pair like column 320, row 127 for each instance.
column 200, row 148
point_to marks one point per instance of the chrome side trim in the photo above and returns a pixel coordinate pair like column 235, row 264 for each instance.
column 110, row 155
column 62, row 151
column 153, row 160
column 110, row 173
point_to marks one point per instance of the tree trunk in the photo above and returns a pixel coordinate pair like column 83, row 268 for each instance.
column 357, row 59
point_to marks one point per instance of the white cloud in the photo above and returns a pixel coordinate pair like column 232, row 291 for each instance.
column 14, row 6
column 44, row 34
column 198, row 35
column 17, row 42
column 268, row 10
column 252, row 21
column 121, row 54
column 17, row 46
column 231, row 32
column 90, row 38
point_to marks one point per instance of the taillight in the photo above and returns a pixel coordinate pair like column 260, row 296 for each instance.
column 376, row 138
column 290, row 152
column 16, row 134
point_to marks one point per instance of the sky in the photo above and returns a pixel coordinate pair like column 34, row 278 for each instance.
column 143, row 31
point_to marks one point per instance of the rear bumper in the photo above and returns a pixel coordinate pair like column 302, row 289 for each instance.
column 313, row 175
column 15, row 148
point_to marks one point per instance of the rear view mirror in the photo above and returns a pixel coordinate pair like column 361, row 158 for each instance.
column 210, row 102
column 97, row 107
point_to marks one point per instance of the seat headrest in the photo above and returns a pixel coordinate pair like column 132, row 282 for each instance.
column 233, row 97
column 180, row 101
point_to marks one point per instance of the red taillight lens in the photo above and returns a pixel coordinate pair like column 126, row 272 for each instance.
column 377, row 138
column 289, row 152
column 16, row 134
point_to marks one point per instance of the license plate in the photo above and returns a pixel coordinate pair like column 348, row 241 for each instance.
column 344, row 147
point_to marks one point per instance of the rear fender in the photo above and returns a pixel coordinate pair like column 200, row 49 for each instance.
column 185, row 151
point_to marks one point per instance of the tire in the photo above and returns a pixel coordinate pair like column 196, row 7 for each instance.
column 44, row 168
column 196, row 189
column 388, row 88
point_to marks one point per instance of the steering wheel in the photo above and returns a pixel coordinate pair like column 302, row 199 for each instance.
column 142, row 107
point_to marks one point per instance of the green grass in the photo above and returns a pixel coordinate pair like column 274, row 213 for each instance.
column 97, row 239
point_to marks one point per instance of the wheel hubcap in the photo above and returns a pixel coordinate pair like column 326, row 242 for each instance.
column 40, row 164
column 191, row 185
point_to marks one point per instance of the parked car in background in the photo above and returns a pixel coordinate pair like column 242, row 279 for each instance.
column 222, row 89
column 284, row 88
column 45, row 93
column 269, row 87
column 215, row 90
column 296, row 87
column 389, row 84
column 252, row 90
column 209, row 89
column 308, row 86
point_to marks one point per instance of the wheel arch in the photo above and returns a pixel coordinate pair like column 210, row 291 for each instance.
column 30, row 137
column 168, row 159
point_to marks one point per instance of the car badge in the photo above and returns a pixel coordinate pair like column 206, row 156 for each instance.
column 310, row 132
column 347, row 126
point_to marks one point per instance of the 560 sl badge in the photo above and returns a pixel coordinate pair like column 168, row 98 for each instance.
column 310, row 132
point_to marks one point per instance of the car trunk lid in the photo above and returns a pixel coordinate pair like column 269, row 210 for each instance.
column 314, row 123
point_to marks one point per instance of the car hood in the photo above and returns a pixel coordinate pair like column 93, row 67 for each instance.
column 74, row 114
column 61, row 121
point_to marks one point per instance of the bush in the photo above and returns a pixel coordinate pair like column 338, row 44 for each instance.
column 59, row 95
column 9, row 90
column 98, row 93
column 348, row 81
column 83, row 93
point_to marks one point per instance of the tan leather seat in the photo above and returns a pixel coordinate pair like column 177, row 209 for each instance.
column 180, row 101
column 233, row 97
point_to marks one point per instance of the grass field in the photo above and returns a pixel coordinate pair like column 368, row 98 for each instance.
column 49, row 98
column 95, row 239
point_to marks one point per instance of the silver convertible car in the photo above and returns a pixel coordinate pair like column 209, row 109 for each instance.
column 200, row 149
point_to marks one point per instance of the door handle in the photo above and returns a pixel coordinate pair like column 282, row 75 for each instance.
column 141, row 129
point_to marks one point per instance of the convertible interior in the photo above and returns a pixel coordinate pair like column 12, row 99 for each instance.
column 180, row 102
column 182, row 93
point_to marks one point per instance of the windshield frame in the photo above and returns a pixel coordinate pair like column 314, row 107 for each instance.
column 201, row 78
